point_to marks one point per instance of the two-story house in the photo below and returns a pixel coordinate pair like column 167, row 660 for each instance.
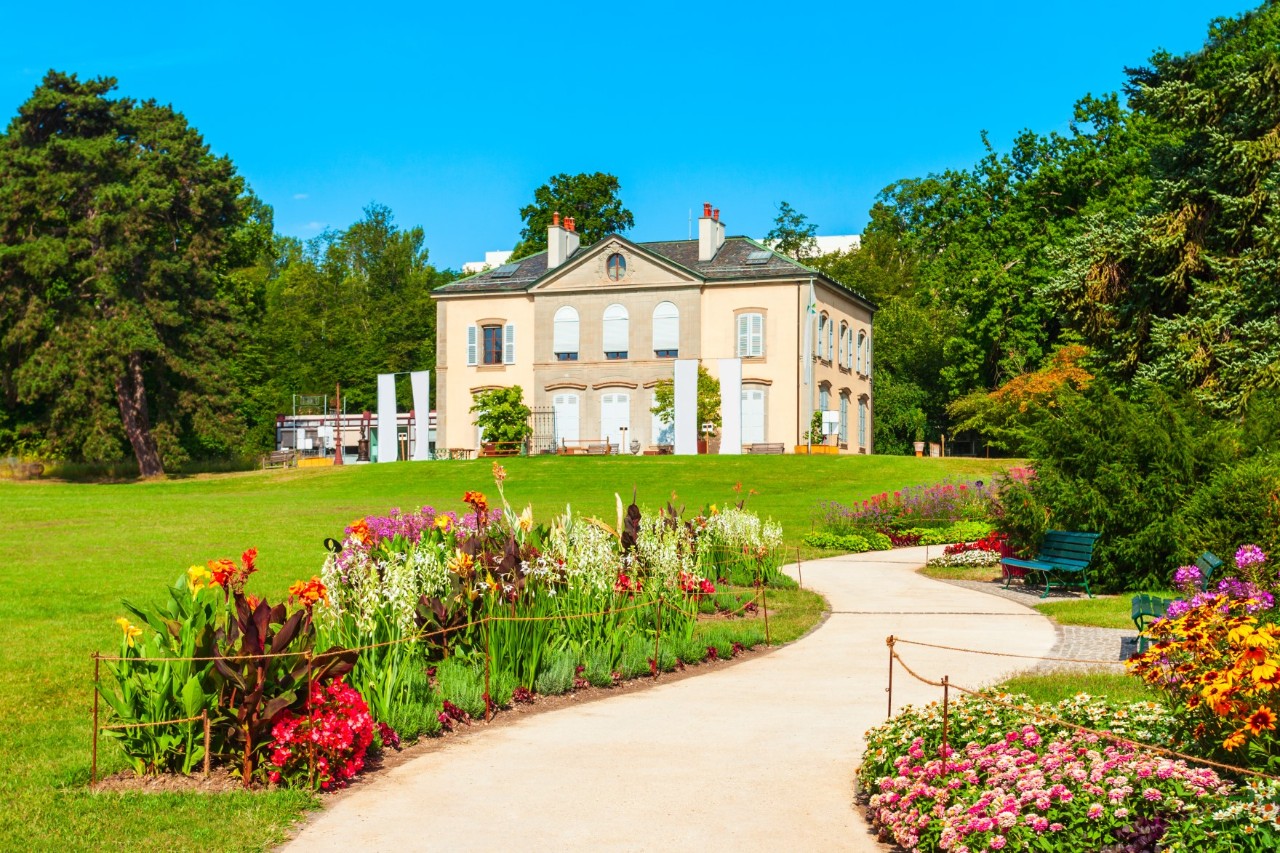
column 589, row 331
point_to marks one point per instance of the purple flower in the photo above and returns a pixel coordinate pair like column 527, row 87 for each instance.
column 1249, row 555
column 1187, row 575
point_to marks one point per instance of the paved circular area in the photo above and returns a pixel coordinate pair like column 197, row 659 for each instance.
column 758, row 756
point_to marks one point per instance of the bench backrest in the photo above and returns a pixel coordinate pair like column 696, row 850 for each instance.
column 1208, row 564
column 1067, row 548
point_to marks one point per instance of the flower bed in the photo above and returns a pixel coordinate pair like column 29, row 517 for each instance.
column 422, row 621
column 1007, row 784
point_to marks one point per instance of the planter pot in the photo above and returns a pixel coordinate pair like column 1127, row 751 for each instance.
column 919, row 445
column 702, row 445
column 817, row 450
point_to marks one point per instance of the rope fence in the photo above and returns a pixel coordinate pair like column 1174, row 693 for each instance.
column 311, row 657
column 947, row 686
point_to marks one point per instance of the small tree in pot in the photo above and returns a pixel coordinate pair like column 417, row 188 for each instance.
column 502, row 415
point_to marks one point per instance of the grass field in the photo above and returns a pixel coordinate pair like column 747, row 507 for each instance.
column 73, row 550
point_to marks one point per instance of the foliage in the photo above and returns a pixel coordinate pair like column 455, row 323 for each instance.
column 502, row 415
column 1004, row 416
column 966, row 559
column 117, row 223
column 664, row 399
column 1239, row 503
column 850, row 543
column 590, row 199
column 330, row 738
column 792, row 234
column 916, row 506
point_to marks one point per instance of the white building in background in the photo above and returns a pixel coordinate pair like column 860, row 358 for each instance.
column 830, row 243
column 492, row 260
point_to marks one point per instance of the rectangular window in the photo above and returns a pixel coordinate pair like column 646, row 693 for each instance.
column 492, row 344
column 566, row 356
column 750, row 335
column 616, row 355
column 667, row 353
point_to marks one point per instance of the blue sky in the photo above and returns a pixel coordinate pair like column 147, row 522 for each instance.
column 452, row 113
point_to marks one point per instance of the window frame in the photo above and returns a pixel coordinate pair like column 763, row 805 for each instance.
column 753, row 340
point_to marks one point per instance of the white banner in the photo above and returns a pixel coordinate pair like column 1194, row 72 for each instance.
column 421, row 382
column 686, row 404
column 388, row 443
column 730, row 406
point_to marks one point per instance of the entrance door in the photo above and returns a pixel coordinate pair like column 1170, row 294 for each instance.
column 615, row 415
column 752, row 416
column 566, row 410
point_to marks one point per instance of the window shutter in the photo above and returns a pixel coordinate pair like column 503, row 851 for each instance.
column 666, row 327
column 565, row 330
column 472, row 332
column 615, row 329
column 509, row 345
column 757, row 335
column 744, row 335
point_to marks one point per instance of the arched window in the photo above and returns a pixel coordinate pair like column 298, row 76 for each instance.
column 666, row 330
column 565, row 334
column 862, row 348
column 822, row 335
column 842, row 345
column 844, row 419
column 616, row 332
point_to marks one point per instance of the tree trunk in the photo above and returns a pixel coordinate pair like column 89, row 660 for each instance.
column 132, row 394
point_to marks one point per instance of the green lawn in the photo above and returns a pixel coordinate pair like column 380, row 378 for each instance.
column 1055, row 686
column 74, row 550
column 1104, row 611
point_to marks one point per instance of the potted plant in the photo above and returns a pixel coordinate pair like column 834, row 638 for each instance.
column 917, row 423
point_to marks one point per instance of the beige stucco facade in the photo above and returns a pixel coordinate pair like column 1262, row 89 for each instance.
column 593, row 394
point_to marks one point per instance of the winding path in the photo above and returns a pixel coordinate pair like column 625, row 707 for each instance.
column 757, row 756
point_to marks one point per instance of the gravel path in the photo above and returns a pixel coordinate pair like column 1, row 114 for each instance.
column 757, row 756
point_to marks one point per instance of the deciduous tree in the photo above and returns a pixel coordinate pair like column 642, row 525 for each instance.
column 591, row 199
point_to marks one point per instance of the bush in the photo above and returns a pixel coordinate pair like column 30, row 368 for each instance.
column 332, row 736
column 557, row 678
column 462, row 684
column 1240, row 503
column 850, row 543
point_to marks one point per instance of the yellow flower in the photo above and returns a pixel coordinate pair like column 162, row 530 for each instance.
column 461, row 563
column 198, row 577
column 442, row 522
column 526, row 519
column 130, row 631
column 714, row 510
column 1235, row 740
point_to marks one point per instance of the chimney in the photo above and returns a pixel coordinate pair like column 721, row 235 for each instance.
column 710, row 232
column 573, row 240
column 557, row 242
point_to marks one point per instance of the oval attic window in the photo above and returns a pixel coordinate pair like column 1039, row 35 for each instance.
column 616, row 267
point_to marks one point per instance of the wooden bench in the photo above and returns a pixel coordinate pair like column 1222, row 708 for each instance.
column 768, row 448
column 1147, row 608
column 280, row 459
column 501, row 448
column 1062, row 552
column 585, row 447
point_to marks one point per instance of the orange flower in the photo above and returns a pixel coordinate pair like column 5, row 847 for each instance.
column 1235, row 740
column 223, row 571
column 477, row 501
column 359, row 531
column 499, row 473
column 307, row 593
column 249, row 561
column 1263, row 719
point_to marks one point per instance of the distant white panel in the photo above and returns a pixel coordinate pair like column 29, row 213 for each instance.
column 686, row 405
column 421, row 382
column 730, row 406
column 388, row 446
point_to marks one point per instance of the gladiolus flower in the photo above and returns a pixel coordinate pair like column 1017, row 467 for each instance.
column 526, row 519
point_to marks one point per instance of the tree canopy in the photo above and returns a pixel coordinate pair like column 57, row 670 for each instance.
column 792, row 234
column 591, row 199
column 116, row 225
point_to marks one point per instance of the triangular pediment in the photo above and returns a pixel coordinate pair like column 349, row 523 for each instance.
column 591, row 269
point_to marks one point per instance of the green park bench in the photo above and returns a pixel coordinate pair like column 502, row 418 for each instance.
column 1148, row 608
column 1062, row 553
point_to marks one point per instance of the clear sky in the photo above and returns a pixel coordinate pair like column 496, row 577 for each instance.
column 452, row 113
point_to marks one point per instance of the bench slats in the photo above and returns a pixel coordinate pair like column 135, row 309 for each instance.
column 1061, row 551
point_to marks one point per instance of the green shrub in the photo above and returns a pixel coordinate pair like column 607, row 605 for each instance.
column 1240, row 503
column 960, row 531
column 462, row 684
column 558, row 676
column 598, row 667
column 635, row 658
column 416, row 712
column 691, row 651
column 667, row 658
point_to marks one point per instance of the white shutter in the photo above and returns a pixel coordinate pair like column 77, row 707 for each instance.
column 615, row 329
column 831, row 333
column 866, row 360
column 744, row 335
column 757, row 335
column 509, row 345
column 472, row 332
column 666, row 327
column 565, row 330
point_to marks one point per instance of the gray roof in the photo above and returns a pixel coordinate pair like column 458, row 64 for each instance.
column 729, row 264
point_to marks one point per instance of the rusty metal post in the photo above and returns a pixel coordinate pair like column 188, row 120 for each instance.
column 799, row 567
column 207, row 741
column 311, row 744
column 945, row 715
column 764, row 605
column 93, row 766
column 889, row 642
column 488, row 703
column 657, row 639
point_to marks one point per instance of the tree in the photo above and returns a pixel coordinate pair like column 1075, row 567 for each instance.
column 591, row 199
column 502, row 415
column 115, row 223
column 793, row 234
column 664, row 400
